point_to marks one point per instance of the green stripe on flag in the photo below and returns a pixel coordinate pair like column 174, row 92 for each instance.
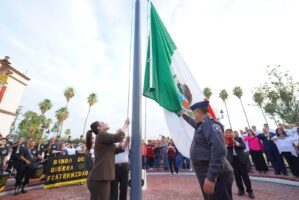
column 158, row 80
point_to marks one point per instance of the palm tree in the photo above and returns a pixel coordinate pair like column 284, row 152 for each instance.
column 270, row 109
column 91, row 99
column 67, row 132
column 69, row 93
column 224, row 95
column 258, row 98
column 238, row 92
column 45, row 106
column 61, row 115
column 207, row 92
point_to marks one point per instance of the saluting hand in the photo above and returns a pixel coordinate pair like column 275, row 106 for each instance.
column 208, row 187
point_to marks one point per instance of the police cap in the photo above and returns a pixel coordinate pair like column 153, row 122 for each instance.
column 200, row 105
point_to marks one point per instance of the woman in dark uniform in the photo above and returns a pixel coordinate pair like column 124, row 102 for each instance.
column 103, row 171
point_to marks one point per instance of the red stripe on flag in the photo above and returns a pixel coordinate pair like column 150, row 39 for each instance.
column 211, row 112
column 3, row 89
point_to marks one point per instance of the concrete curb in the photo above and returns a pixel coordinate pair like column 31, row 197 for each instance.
column 262, row 179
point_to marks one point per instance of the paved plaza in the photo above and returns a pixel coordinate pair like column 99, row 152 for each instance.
column 164, row 187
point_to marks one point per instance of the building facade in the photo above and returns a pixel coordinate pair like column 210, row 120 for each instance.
column 12, row 86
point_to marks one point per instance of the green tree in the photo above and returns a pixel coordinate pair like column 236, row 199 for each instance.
column 224, row 96
column 238, row 92
column 281, row 92
column 258, row 98
column 91, row 100
column 61, row 115
column 270, row 109
column 69, row 93
column 30, row 125
column 67, row 132
column 207, row 92
column 45, row 106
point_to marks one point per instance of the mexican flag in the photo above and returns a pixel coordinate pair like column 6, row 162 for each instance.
column 169, row 82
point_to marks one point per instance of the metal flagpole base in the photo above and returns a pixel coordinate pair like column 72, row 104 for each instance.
column 144, row 187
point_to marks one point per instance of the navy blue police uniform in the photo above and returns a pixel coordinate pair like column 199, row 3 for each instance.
column 208, row 155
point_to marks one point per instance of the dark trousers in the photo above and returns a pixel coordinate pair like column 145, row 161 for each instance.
column 120, row 182
column 277, row 161
column 223, row 185
column 241, row 174
column 172, row 164
column 150, row 162
column 259, row 161
column 99, row 190
column 23, row 174
column 293, row 162
column 248, row 165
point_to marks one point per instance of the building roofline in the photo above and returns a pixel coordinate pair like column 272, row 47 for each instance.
column 19, row 73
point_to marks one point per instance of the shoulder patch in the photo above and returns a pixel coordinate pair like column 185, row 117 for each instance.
column 216, row 128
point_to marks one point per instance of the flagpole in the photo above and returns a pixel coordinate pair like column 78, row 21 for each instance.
column 136, row 111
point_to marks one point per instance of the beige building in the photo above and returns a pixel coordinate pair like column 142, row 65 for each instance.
column 12, row 86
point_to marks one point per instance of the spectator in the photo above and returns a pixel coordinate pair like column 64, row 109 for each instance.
column 164, row 146
column 143, row 153
column 285, row 146
column 171, row 159
column 71, row 149
column 272, row 153
column 150, row 156
column 58, row 142
column 256, row 151
column 246, row 150
column 157, row 153
column 238, row 159
column 295, row 140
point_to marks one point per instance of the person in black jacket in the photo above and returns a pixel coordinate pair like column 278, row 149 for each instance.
column 238, row 159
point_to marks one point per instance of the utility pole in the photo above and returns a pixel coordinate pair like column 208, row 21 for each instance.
column 136, row 193
column 12, row 127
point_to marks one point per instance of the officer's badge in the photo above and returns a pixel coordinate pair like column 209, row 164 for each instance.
column 23, row 145
column 216, row 128
column 33, row 151
column 54, row 146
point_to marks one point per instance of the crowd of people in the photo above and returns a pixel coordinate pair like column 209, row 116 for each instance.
column 21, row 158
column 162, row 154
column 278, row 148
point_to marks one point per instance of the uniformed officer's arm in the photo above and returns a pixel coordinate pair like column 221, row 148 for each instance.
column 108, row 138
column 189, row 120
column 215, row 138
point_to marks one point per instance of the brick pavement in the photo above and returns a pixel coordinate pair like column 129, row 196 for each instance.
column 164, row 187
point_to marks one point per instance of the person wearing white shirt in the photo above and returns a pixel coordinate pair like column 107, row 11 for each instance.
column 285, row 146
column 71, row 149
column 119, row 186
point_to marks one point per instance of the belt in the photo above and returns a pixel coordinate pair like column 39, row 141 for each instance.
column 200, row 162
column 121, row 164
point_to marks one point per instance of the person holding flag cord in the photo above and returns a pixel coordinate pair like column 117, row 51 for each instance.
column 208, row 154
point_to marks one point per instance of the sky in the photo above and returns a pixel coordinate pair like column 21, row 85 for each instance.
column 85, row 44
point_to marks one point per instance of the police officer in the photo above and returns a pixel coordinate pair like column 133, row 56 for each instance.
column 208, row 154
